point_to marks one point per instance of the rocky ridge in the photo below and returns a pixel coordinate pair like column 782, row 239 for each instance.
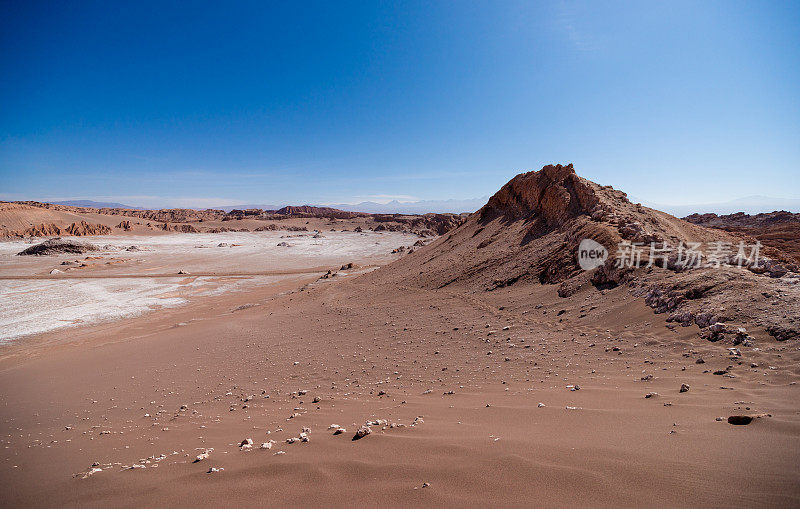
column 779, row 230
column 191, row 221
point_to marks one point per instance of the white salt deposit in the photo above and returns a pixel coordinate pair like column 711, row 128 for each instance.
column 37, row 306
column 34, row 306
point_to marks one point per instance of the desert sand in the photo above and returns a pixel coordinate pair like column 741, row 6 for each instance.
column 484, row 368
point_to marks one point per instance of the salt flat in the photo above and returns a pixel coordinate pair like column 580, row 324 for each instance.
column 41, row 294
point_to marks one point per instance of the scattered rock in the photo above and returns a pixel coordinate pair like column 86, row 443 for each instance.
column 362, row 432
column 202, row 456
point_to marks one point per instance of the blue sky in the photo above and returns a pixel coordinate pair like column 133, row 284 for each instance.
column 202, row 104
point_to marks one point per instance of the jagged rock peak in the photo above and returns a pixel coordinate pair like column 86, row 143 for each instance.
column 555, row 193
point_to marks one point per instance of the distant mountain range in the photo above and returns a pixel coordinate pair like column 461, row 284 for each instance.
column 416, row 207
column 93, row 204
column 392, row 207
column 748, row 205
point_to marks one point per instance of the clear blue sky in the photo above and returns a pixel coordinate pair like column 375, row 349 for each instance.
column 208, row 103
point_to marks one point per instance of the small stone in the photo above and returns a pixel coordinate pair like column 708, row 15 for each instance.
column 362, row 432
column 684, row 387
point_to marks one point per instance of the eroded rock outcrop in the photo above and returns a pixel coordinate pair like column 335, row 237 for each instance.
column 182, row 228
column 58, row 246
column 41, row 230
column 83, row 229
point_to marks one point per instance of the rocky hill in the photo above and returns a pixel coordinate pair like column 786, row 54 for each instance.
column 530, row 231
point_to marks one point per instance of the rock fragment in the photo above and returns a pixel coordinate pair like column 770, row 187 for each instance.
column 362, row 432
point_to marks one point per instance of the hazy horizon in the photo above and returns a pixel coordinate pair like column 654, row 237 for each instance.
column 749, row 204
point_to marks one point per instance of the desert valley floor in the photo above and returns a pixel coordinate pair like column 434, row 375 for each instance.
column 390, row 382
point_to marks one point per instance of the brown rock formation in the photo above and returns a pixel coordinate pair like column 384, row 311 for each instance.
column 42, row 230
column 181, row 228
column 83, row 228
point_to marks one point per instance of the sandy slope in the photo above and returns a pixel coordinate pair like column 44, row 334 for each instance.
column 15, row 216
column 353, row 340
